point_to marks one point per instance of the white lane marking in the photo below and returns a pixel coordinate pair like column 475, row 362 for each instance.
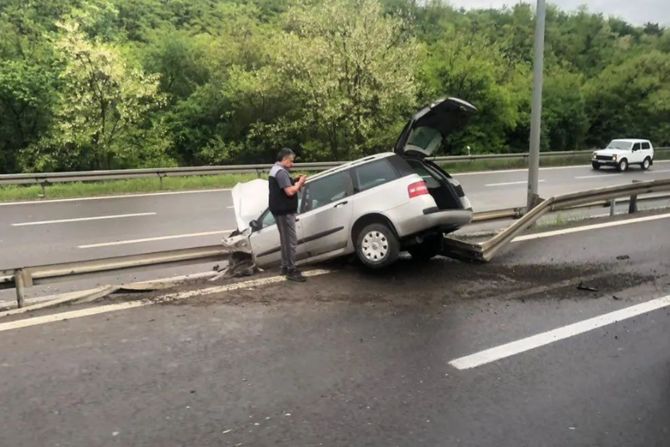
column 617, row 223
column 27, row 322
column 545, row 338
column 608, row 175
column 550, row 168
column 582, row 177
column 154, row 239
column 123, row 196
column 520, row 182
column 83, row 219
column 70, row 315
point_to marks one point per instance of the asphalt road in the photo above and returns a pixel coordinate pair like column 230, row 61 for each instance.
column 354, row 358
column 60, row 231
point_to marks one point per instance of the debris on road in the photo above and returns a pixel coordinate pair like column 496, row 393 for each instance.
column 241, row 260
column 623, row 257
column 586, row 288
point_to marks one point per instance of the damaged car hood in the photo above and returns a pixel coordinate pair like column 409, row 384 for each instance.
column 250, row 199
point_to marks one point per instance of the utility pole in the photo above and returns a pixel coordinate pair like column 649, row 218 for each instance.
column 536, row 110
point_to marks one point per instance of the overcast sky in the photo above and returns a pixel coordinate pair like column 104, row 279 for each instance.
column 635, row 11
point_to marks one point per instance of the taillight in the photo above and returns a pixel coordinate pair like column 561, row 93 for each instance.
column 417, row 189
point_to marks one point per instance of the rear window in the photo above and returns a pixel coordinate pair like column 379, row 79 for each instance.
column 374, row 174
column 646, row 146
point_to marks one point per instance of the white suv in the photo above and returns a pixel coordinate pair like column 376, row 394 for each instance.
column 374, row 207
column 623, row 153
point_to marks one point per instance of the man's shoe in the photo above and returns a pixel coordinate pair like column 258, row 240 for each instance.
column 283, row 271
column 296, row 276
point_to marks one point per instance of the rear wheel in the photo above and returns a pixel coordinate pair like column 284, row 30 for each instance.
column 622, row 166
column 377, row 246
column 595, row 165
column 646, row 163
column 426, row 250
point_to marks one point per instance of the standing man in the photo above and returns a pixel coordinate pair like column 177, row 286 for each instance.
column 284, row 207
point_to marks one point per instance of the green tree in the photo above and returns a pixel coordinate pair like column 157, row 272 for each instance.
column 103, row 105
column 468, row 66
column 351, row 68
column 631, row 99
column 564, row 118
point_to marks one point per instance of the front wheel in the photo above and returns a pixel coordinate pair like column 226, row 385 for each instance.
column 595, row 165
column 646, row 163
column 622, row 166
column 377, row 246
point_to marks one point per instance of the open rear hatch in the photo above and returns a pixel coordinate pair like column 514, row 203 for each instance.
column 427, row 131
column 424, row 135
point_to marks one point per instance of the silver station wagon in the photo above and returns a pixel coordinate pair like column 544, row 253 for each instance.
column 374, row 207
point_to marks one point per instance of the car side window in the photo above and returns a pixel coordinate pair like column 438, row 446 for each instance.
column 636, row 147
column 268, row 219
column 327, row 190
column 646, row 146
column 374, row 174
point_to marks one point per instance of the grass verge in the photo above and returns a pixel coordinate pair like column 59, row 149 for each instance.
column 14, row 193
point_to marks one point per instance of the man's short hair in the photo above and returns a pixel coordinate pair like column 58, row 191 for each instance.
column 285, row 152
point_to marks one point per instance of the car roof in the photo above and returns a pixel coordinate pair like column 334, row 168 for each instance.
column 351, row 164
column 631, row 140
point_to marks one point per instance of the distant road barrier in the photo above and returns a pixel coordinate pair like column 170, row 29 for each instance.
column 44, row 179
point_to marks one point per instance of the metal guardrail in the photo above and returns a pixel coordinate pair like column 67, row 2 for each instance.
column 47, row 178
column 21, row 278
column 485, row 251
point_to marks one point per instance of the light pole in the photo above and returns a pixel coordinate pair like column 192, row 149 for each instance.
column 536, row 110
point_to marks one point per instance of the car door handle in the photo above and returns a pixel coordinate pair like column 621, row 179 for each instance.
column 340, row 204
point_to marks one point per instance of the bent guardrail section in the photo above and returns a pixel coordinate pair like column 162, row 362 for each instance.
column 485, row 251
column 23, row 277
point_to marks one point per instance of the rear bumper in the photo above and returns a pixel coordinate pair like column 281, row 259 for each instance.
column 448, row 219
column 431, row 218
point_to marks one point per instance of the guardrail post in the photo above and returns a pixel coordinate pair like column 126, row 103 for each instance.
column 160, row 180
column 612, row 207
column 20, row 284
column 44, row 184
column 632, row 204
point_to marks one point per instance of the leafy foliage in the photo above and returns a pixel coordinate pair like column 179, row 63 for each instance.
column 88, row 84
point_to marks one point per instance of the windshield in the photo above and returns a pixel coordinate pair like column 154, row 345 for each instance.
column 618, row 144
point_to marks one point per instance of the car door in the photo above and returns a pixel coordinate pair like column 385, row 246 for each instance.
column 636, row 155
column 646, row 150
column 265, row 240
column 325, row 218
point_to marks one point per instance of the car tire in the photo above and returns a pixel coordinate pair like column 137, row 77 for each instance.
column 622, row 166
column 595, row 165
column 426, row 250
column 646, row 163
column 377, row 246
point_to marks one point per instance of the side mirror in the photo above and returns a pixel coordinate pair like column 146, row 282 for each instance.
column 254, row 225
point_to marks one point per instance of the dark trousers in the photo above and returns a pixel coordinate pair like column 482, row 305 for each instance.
column 288, row 240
